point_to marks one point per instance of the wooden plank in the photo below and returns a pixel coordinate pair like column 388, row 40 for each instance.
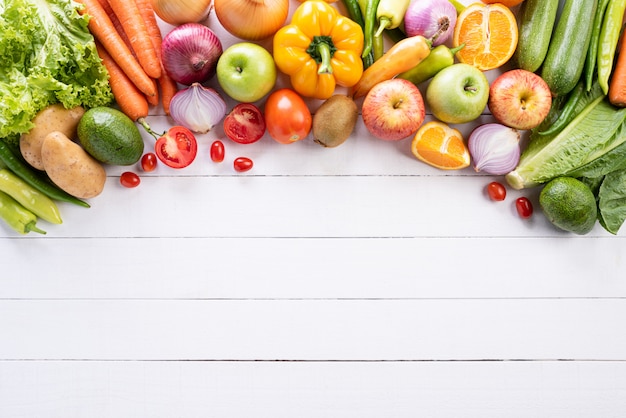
column 464, row 329
column 311, row 390
column 311, row 268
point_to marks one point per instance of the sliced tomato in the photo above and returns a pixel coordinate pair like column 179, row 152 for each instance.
column 244, row 124
column 177, row 148
column 287, row 116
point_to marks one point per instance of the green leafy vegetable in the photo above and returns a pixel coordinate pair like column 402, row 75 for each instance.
column 612, row 201
column 47, row 55
column 590, row 145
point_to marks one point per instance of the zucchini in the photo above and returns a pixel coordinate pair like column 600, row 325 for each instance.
column 564, row 62
column 536, row 22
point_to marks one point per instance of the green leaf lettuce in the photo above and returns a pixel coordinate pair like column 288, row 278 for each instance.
column 47, row 55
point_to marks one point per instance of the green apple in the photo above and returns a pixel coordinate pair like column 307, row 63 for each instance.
column 458, row 93
column 246, row 72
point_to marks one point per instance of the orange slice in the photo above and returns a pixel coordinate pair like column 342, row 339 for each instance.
column 507, row 3
column 441, row 146
column 489, row 32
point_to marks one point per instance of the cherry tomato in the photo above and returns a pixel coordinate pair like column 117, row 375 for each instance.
column 177, row 148
column 129, row 179
column 148, row 162
column 217, row 151
column 287, row 116
column 524, row 207
column 244, row 124
column 242, row 164
column 496, row 191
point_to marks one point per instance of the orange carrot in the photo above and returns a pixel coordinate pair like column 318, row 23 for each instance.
column 135, row 28
column 127, row 96
column 102, row 29
column 617, row 87
column 168, row 86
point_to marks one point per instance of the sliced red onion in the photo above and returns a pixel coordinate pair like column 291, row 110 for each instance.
column 197, row 108
column 432, row 19
column 189, row 53
column 494, row 148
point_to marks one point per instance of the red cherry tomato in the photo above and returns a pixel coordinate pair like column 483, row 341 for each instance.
column 242, row 164
column 496, row 191
column 148, row 162
column 524, row 207
column 177, row 148
column 287, row 116
column 129, row 179
column 217, row 151
column 244, row 124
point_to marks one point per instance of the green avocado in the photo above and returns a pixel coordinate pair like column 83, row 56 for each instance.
column 110, row 136
column 569, row 204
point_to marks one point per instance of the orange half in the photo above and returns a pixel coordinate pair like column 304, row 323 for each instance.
column 489, row 32
column 441, row 146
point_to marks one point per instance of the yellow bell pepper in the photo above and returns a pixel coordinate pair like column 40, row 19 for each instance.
column 319, row 49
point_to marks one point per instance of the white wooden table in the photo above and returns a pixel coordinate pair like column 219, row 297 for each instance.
column 348, row 282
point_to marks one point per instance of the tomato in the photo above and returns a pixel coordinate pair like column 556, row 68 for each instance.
column 177, row 148
column 217, row 151
column 496, row 191
column 287, row 116
column 148, row 162
column 524, row 207
column 242, row 164
column 129, row 179
column 244, row 124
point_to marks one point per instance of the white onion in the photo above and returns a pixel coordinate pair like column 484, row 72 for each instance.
column 494, row 148
column 177, row 12
column 432, row 19
column 190, row 53
column 197, row 108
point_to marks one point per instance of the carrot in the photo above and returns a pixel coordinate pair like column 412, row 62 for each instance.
column 102, row 29
column 128, row 97
column 167, row 85
column 617, row 86
column 129, row 15
column 116, row 22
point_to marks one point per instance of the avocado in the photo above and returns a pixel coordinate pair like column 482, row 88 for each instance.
column 110, row 136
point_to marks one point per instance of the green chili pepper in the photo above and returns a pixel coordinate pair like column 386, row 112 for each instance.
column 607, row 43
column 29, row 197
column 16, row 216
column 354, row 12
column 368, row 8
column 390, row 14
column 26, row 173
column 592, row 52
column 378, row 46
column 439, row 58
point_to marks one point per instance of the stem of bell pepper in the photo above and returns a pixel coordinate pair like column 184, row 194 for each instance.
column 324, row 52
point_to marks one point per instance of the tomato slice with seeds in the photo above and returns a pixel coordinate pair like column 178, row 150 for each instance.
column 244, row 124
column 177, row 148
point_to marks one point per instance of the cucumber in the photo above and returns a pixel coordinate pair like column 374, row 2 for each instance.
column 536, row 22
column 565, row 60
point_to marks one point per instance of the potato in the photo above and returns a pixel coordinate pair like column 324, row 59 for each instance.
column 52, row 118
column 70, row 167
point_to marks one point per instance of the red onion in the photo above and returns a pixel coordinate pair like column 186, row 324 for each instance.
column 197, row 108
column 432, row 19
column 494, row 148
column 190, row 53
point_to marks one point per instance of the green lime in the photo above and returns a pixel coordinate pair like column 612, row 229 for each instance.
column 569, row 204
column 110, row 136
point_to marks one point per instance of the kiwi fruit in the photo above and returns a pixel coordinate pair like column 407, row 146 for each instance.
column 334, row 121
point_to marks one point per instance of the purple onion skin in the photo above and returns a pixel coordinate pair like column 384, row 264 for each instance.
column 432, row 19
column 190, row 53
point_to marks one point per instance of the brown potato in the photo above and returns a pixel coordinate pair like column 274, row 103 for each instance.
column 52, row 118
column 71, row 168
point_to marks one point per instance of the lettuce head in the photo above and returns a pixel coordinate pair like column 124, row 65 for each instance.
column 47, row 55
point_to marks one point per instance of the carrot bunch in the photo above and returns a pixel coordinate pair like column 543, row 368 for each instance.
column 128, row 40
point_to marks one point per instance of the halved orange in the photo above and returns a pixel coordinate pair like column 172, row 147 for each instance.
column 441, row 146
column 489, row 32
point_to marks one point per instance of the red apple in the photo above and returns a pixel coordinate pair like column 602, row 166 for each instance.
column 393, row 109
column 519, row 99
